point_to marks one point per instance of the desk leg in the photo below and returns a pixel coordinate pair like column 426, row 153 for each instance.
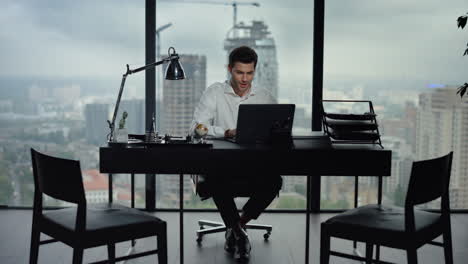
column 181, row 217
column 379, row 201
column 110, row 188
column 307, row 219
column 132, row 195
column 356, row 196
column 150, row 192
column 132, row 191
column 379, row 192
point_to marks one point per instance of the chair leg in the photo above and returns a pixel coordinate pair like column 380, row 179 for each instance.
column 412, row 256
column 447, row 236
column 324, row 246
column 162, row 247
column 369, row 249
column 34, row 250
column 77, row 256
column 377, row 253
column 111, row 253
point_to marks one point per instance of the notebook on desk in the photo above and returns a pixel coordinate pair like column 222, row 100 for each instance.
column 262, row 123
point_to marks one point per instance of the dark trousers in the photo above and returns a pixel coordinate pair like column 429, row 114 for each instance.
column 261, row 190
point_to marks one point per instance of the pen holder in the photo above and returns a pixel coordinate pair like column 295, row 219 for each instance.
column 121, row 135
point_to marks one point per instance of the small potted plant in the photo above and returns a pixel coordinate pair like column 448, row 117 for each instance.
column 121, row 135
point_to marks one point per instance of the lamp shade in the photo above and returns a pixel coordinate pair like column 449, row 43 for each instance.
column 175, row 71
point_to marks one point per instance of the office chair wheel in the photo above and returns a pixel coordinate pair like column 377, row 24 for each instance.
column 266, row 235
column 202, row 227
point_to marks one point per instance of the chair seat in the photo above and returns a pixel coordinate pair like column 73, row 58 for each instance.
column 104, row 222
column 385, row 224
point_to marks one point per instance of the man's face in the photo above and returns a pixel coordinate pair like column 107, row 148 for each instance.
column 242, row 77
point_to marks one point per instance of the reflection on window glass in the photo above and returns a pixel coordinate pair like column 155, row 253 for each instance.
column 406, row 58
column 59, row 77
column 204, row 33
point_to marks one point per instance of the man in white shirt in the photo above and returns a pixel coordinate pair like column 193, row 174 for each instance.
column 218, row 110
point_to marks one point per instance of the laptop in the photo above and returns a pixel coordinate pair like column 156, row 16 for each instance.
column 262, row 123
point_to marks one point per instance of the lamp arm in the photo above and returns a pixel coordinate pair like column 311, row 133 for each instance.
column 116, row 108
column 154, row 64
column 122, row 84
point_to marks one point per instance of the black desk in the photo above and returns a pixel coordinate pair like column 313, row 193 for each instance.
column 308, row 156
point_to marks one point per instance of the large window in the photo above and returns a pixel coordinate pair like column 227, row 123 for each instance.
column 203, row 33
column 62, row 62
column 59, row 77
column 405, row 56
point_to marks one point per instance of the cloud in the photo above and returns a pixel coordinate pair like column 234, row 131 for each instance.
column 363, row 38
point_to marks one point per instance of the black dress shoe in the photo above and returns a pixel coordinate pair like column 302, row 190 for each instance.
column 243, row 246
column 230, row 244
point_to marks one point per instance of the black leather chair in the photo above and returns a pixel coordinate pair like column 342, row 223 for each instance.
column 405, row 228
column 85, row 226
column 203, row 189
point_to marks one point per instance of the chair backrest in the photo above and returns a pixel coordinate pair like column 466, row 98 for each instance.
column 58, row 178
column 429, row 180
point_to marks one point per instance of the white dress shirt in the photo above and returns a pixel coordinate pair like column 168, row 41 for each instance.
column 219, row 106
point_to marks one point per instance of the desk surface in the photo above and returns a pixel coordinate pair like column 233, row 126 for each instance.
column 307, row 156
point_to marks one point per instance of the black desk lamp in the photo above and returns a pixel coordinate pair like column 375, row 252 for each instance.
column 173, row 72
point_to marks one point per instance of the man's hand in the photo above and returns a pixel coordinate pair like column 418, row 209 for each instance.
column 230, row 133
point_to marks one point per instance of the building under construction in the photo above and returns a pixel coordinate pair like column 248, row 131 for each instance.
column 257, row 37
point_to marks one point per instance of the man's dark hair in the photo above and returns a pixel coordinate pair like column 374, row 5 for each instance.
column 243, row 54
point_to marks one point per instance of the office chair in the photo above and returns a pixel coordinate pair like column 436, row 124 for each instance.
column 85, row 226
column 202, row 189
column 405, row 228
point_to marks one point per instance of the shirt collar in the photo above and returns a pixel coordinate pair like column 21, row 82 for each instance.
column 229, row 90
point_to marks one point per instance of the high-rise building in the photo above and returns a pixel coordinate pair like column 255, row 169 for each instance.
column 179, row 101
column 402, row 159
column 96, row 116
column 181, row 97
column 441, row 127
column 257, row 37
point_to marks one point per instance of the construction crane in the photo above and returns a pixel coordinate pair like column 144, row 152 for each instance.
column 234, row 5
column 158, row 41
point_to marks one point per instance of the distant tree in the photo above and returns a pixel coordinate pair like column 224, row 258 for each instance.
column 461, row 24
column 340, row 204
column 300, row 189
column 289, row 202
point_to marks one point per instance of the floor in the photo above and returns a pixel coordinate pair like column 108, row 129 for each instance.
column 286, row 244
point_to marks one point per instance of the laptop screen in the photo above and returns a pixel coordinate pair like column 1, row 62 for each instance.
column 257, row 122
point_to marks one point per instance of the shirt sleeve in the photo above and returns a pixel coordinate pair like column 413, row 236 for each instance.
column 205, row 113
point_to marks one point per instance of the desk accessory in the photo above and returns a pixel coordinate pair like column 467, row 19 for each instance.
column 121, row 135
column 351, row 128
column 200, row 133
column 166, row 141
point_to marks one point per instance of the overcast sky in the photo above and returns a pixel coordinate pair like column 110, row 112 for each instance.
column 364, row 39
